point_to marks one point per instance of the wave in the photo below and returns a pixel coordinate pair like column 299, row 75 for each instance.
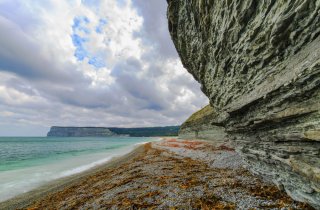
column 17, row 181
column 84, row 167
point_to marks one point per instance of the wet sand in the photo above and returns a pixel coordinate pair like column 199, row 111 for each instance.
column 169, row 174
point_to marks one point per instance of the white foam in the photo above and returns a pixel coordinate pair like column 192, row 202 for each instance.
column 15, row 182
column 141, row 143
column 83, row 168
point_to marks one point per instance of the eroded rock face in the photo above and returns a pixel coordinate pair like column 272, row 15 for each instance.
column 199, row 125
column 259, row 64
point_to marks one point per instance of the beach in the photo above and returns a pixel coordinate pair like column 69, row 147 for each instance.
column 27, row 163
column 169, row 174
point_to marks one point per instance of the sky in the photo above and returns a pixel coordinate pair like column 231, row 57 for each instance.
column 90, row 63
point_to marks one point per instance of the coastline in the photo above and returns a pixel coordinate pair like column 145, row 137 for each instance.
column 25, row 199
column 172, row 173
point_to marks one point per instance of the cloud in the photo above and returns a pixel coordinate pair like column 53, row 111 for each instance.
column 155, row 30
column 20, row 54
column 91, row 63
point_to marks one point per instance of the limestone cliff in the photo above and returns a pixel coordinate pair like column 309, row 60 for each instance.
column 199, row 125
column 259, row 64
column 58, row 131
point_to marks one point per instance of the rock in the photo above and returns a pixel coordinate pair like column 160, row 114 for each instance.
column 259, row 64
column 200, row 125
column 57, row 131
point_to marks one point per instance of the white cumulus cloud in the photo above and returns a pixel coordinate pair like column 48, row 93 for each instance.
column 90, row 63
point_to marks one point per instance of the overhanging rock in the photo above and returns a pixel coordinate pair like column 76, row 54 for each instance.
column 259, row 64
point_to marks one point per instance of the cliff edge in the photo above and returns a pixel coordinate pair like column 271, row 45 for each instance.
column 199, row 125
column 59, row 131
column 259, row 64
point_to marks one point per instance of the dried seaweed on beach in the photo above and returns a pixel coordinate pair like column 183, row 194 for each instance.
column 171, row 175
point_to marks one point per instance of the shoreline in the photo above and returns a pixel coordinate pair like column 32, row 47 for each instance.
column 25, row 199
column 171, row 173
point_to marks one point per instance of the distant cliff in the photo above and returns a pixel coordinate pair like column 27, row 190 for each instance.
column 57, row 131
column 258, row 62
column 79, row 131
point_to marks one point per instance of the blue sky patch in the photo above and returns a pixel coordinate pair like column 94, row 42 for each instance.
column 102, row 23
column 80, row 24
column 80, row 41
column 97, row 62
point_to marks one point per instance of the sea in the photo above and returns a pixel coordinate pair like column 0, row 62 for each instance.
column 29, row 162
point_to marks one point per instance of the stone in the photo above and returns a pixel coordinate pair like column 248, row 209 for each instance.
column 199, row 125
column 258, row 62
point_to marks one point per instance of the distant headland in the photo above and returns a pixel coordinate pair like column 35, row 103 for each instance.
column 59, row 131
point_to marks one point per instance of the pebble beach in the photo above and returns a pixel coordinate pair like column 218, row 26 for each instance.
column 168, row 174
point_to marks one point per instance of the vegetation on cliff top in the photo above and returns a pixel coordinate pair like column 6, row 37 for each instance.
column 57, row 131
column 200, row 117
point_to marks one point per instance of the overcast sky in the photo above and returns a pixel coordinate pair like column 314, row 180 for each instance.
column 90, row 63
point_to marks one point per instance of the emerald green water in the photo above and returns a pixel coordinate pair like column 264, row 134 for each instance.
column 27, row 162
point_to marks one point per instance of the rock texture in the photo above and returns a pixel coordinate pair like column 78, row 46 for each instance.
column 259, row 64
column 199, row 125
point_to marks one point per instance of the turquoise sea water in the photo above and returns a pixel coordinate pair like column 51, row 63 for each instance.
column 28, row 162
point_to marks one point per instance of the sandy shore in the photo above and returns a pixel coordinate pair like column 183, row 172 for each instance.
column 169, row 174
